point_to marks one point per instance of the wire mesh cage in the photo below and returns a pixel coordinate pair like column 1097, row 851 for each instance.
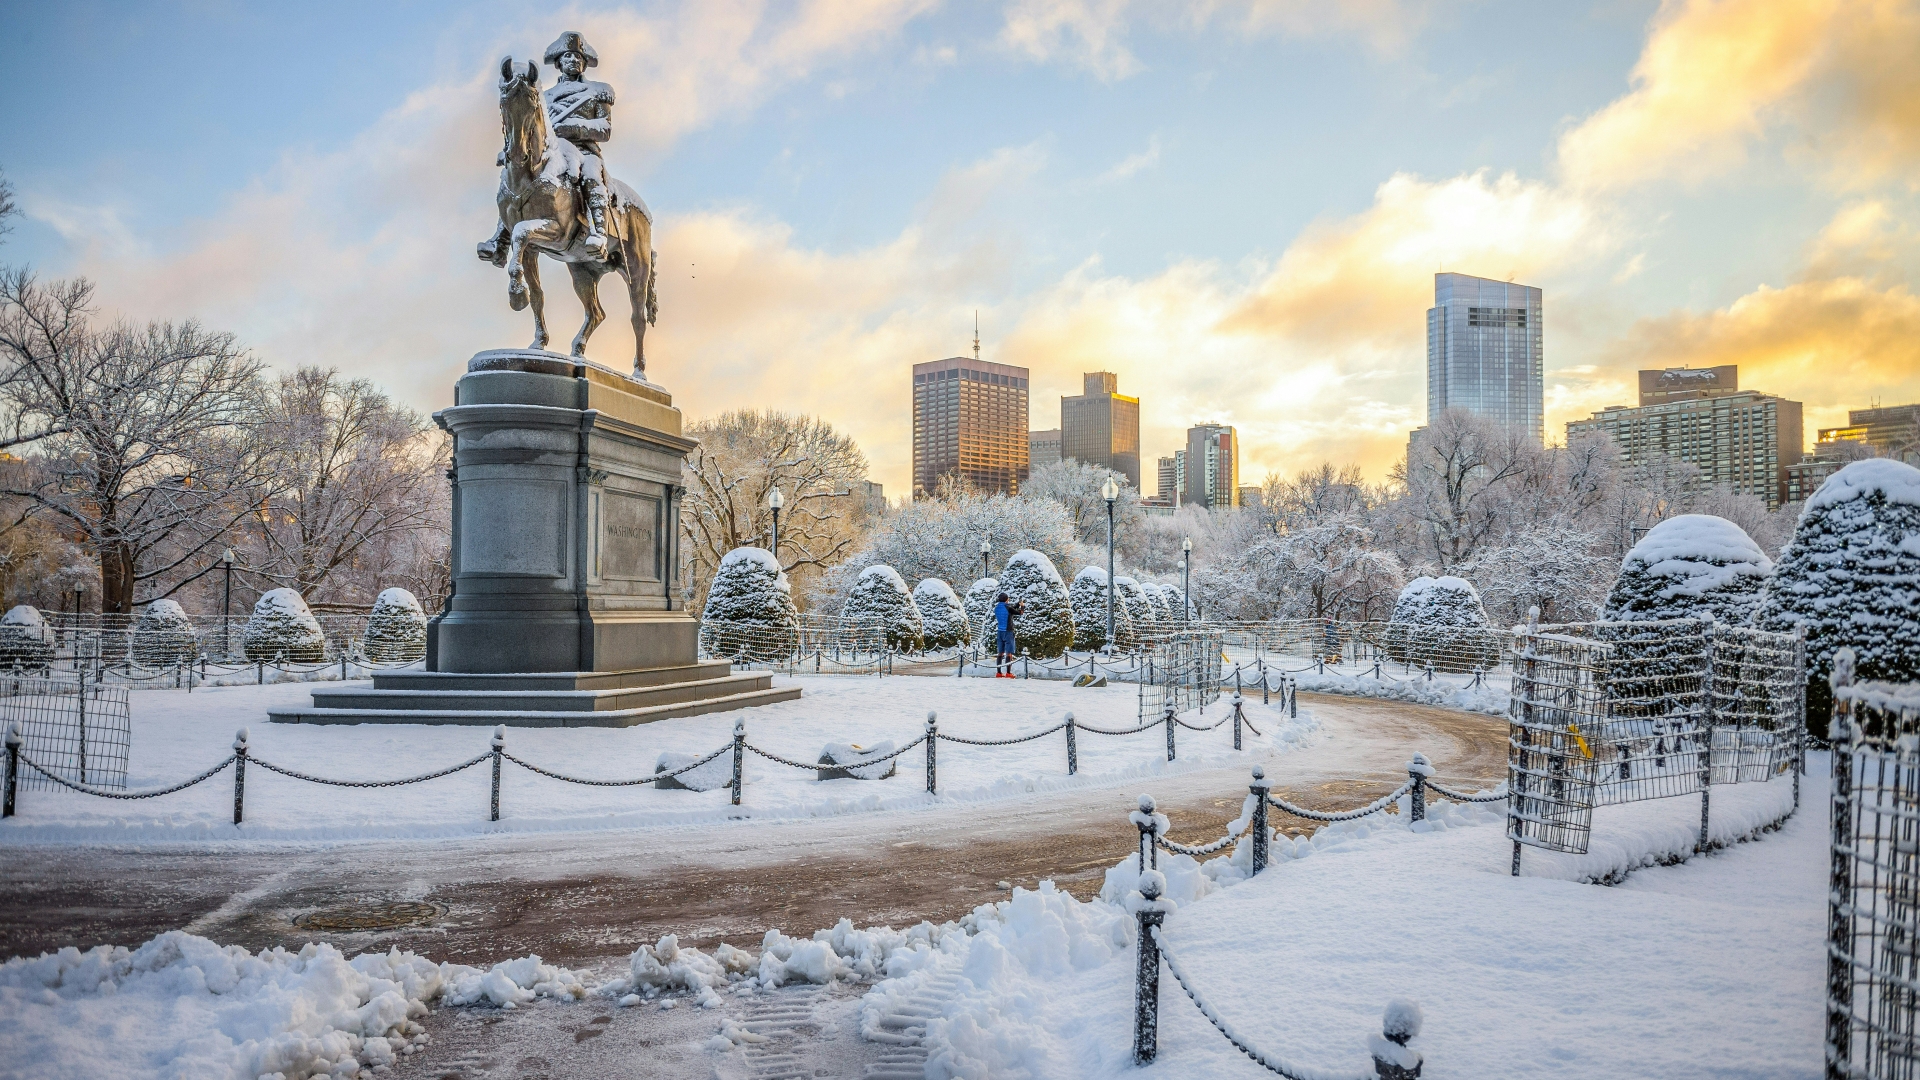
column 1183, row 670
column 1873, row 918
column 1559, row 705
column 1758, row 704
column 76, row 730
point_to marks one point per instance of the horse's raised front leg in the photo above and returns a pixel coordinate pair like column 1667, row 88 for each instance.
column 517, row 259
column 586, row 285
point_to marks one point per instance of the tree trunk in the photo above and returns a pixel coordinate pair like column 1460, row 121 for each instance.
column 116, row 578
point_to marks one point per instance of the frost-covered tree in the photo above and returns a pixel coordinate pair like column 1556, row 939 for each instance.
column 1851, row 576
column 26, row 643
column 943, row 617
column 1088, row 600
column 979, row 604
column 880, row 598
column 1076, row 487
column 749, row 612
column 397, row 629
column 940, row 537
column 1440, row 620
column 1694, row 566
column 281, row 628
column 1139, row 609
column 1044, row 627
column 1553, row 568
column 164, row 636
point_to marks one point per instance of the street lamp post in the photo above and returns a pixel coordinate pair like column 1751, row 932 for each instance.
column 1186, row 567
column 1110, row 491
column 776, row 500
column 226, row 608
column 986, row 557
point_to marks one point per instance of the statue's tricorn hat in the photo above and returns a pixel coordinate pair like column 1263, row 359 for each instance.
column 571, row 41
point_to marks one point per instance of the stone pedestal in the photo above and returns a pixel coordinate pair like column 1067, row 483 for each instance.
column 567, row 485
column 565, row 608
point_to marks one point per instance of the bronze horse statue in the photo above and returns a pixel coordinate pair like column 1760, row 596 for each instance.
column 542, row 211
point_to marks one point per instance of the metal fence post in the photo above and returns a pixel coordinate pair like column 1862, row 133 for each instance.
column 1265, row 691
column 1073, row 751
column 499, row 748
column 13, row 769
column 739, row 755
column 1143, row 819
column 933, row 736
column 1146, row 983
column 1169, row 723
column 1026, row 665
column 83, row 725
column 1259, row 788
column 1392, row 1059
column 239, row 775
column 260, row 672
column 1417, row 772
column 1840, row 944
column 1236, row 714
column 1293, row 699
column 1706, row 738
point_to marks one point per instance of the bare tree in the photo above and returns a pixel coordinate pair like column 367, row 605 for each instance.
column 1453, row 480
column 742, row 457
column 1076, row 486
column 353, row 472
column 143, row 435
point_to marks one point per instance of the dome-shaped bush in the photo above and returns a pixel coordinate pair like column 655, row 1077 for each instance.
column 1441, row 621
column 1146, row 622
column 1162, row 607
column 1044, row 627
column 749, row 614
column 163, row 636
column 979, row 604
column 880, row 598
column 1088, row 601
column 1695, row 566
column 1851, row 576
column 397, row 629
column 943, row 617
column 281, row 627
column 26, row 642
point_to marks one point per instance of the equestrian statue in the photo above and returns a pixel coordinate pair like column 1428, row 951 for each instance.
column 557, row 199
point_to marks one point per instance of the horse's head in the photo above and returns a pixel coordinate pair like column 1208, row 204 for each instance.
column 522, row 112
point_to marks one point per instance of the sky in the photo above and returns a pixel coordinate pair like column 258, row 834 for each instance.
column 1236, row 205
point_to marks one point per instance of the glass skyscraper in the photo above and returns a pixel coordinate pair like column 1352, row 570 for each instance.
column 1483, row 351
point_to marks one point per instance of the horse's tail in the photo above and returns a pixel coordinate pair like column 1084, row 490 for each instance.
column 653, row 295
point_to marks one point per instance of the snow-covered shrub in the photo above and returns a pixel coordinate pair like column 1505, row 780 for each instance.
column 1044, row 628
column 163, row 636
column 1088, row 599
column 749, row 613
column 1851, row 576
column 880, row 598
column 943, row 618
column 397, row 629
column 1162, row 607
column 1440, row 620
column 1139, row 609
column 25, row 640
column 281, row 627
column 979, row 602
column 1176, row 602
column 1695, row 566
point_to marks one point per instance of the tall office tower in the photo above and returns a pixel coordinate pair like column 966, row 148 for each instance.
column 1043, row 448
column 1169, row 488
column 969, row 422
column 1741, row 438
column 1102, row 427
column 1212, row 468
column 1483, row 351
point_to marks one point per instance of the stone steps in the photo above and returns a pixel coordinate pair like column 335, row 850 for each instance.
column 419, row 712
column 540, row 700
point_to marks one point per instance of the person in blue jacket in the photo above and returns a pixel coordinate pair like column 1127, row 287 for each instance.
column 1003, row 612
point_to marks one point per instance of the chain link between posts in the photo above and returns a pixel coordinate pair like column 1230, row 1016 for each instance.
column 468, row 764
column 89, row 789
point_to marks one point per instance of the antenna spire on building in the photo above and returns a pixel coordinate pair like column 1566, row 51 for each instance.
column 976, row 335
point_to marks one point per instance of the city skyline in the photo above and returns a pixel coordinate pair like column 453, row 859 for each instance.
column 840, row 187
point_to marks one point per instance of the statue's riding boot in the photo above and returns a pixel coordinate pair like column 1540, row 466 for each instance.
column 596, row 238
column 494, row 248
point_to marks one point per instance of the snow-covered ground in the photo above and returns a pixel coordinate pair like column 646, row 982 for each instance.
column 177, row 734
column 1395, row 683
column 1711, row 968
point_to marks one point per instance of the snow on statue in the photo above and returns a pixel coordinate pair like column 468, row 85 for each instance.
column 1088, row 600
column 281, row 628
column 1851, row 576
column 880, row 597
column 943, row 617
column 1044, row 627
column 1695, row 566
column 749, row 612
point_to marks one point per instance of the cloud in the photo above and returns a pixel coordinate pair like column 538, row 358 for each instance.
column 1133, row 163
column 1092, row 34
column 1836, row 79
column 1834, row 344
